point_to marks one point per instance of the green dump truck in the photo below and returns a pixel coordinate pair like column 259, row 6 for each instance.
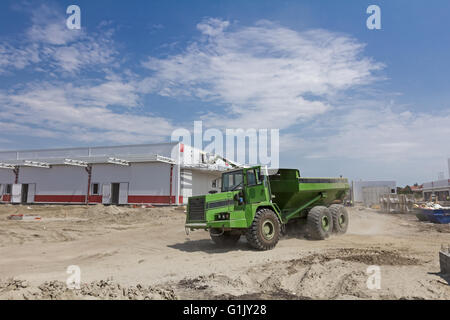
column 258, row 205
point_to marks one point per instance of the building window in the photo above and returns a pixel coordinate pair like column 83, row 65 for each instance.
column 216, row 183
column 8, row 189
column 95, row 188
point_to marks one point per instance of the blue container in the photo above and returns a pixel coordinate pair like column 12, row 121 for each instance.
column 434, row 215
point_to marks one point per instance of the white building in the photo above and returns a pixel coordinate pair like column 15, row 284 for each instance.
column 440, row 189
column 358, row 188
column 166, row 173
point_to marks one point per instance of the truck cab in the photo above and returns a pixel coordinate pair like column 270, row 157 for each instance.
column 241, row 191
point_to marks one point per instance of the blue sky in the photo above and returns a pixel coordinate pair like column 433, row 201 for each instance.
column 368, row 104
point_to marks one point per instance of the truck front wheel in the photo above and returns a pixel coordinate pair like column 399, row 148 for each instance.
column 224, row 239
column 265, row 230
column 320, row 223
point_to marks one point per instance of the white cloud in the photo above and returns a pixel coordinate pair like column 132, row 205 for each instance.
column 80, row 114
column 373, row 143
column 50, row 46
column 382, row 134
column 50, row 28
column 265, row 75
column 17, row 58
column 98, row 106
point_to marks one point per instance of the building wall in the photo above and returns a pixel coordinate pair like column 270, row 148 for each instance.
column 59, row 184
column 371, row 195
column 202, row 182
column 186, row 184
column 6, row 177
column 190, row 155
column 437, row 184
column 147, row 182
column 196, row 183
column 358, row 185
column 440, row 188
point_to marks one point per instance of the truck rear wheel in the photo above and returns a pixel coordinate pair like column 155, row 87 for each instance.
column 320, row 223
column 340, row 218
column 225, row 239
column 265, row 230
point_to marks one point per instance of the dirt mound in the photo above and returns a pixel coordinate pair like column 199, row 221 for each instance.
column 340, row 272
column 428, row 226
column 13, row 284
column 274, row 295
column 103, row 289
column 378, row 257
column 70, row 223
column 371, row 256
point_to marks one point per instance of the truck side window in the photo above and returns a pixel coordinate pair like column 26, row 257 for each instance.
column 251, row 178
column 259, row 178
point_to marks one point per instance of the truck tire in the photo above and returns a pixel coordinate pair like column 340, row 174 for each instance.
column 265, row 230
column 226, row 239
column 319, row 222
column 340, row 218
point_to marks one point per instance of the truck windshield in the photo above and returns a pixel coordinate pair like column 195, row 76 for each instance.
column 232, row 181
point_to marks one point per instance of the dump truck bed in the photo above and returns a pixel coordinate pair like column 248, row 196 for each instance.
column 290, row 191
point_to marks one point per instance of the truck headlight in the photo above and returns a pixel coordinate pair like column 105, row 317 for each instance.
column 223, row 216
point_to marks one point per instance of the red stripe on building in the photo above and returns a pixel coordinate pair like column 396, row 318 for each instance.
column 98, row 199
column 153, row 199
column 60, row 198
column 95, row 199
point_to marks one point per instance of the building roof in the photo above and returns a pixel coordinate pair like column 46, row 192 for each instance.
column 120, row 155
column 416, row 188
column 436, row 184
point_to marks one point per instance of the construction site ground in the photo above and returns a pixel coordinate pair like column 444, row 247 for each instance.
column 144, row 253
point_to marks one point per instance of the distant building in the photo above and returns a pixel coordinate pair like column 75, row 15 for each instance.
column 417, row 190
column 440, row 189
column 361, row 190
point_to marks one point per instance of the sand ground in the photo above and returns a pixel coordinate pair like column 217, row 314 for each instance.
column 144, row 253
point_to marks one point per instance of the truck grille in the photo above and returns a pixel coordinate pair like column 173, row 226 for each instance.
column 197, row 209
